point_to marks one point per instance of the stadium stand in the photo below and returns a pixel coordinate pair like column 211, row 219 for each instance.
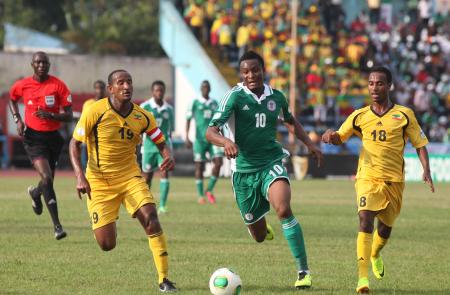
column 335, row 54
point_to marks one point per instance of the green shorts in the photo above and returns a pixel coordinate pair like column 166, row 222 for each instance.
column 201, row 148
column 251, row 190
column 151, row 161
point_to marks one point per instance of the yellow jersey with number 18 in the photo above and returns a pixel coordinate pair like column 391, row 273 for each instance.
column 112, row 138
column 383, row 141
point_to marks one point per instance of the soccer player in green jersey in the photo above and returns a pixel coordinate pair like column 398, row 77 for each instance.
column 250, row 112
column 151, row 157
column 201, row 110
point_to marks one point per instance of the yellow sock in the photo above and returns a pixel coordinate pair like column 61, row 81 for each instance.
column 378, row 244
column 363, row 248
column 158, row 246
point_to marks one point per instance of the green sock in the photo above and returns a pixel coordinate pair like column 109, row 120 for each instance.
column 211, row 183
column 199, row 184
column 293, row 233
column 163, row 191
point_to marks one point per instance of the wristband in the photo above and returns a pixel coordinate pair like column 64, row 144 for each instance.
column 16, row 117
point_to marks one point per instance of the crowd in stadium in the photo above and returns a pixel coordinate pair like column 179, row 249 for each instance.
column 333, row 55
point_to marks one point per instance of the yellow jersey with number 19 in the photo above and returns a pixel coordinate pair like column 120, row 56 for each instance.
column 383, row 141
column 112, row 139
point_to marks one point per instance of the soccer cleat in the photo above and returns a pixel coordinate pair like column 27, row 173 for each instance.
column 363, row 286
column 167, row 286
column 304, row 280
column 201, row 201
column 270, row 233
column 59, row 232
column 211, row 197
column 377, row 267
column 162, row 210
column 36, row 201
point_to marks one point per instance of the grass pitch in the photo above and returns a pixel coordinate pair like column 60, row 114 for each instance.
column 204, row 238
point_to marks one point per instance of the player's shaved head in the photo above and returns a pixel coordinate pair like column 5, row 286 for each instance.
column 40, row 54
column 112, row 74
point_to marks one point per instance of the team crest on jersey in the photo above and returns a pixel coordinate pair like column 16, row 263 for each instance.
column 271, row 105
column 396, row 117
column 50, row 100
column 137, row 116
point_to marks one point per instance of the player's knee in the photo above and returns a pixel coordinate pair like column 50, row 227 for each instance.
column 47, row 180
column 366, row 225
column 284, row 212
column 107, row 244
column 152, row 225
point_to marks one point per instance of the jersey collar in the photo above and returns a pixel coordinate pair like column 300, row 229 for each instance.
column 267, row 91
column 203, row 100
column 156, row 106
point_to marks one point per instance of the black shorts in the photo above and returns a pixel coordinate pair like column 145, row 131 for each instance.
column 43, row 144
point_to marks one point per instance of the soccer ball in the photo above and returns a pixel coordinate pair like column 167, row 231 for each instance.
column 225, row 282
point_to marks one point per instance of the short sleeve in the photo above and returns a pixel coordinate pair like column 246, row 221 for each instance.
column 65, row 97
column 16, row 91
column 286, row 114
column 190, row 110
column 349, row 127
column 85, row 125
column 414, row 132
column 151, row 128
column 224, row 111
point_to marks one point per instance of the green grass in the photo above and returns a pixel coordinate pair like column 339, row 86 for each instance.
column 204, row 238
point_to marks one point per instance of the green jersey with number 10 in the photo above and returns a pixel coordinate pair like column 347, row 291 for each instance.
column 251, row 122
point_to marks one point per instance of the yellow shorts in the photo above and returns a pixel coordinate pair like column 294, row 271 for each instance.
column 106, row 198
column 382, row 196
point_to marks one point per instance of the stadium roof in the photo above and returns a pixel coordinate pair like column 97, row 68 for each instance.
column 19, row 39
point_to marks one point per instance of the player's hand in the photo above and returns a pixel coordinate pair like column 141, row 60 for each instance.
column 188, row 143
column 317, row 154
column 231, row 149
column 329, row 137
column 43, row 114
column 168, row 164
column 20, row 127
column 428, row 180
column 83, row 187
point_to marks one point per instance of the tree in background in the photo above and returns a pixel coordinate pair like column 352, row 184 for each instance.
column 128, row 27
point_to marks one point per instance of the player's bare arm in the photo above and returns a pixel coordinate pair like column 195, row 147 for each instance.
column 213, row 135
column 331, row 137
column 422, row 152
column 168, row 163
column 65, row 116
column 83, row 186
column 297, row 128
column 187, row 141
column 14, row 108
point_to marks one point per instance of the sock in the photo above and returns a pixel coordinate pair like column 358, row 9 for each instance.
column 377, row 244
column 199, row 184
column 50, row 200
column 363, row 248
column 158, row 247
column 293, row 233
column 211, row 183
column 163, row 191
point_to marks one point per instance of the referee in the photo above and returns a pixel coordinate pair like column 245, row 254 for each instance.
column 43, row 96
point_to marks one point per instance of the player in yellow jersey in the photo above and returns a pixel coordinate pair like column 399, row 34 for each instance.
column 384, row 128
column 100, row 92
column 112, row 129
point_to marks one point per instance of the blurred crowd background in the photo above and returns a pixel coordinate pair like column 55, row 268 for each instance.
column 334, row 55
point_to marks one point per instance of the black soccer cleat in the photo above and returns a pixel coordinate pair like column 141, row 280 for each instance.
column 36, row 201
column 167, row 286
column 59, row 232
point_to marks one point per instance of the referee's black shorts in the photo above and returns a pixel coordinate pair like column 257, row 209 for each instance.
column 43, row 144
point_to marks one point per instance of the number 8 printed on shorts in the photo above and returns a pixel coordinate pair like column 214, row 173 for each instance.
column 362, row 202
column 278, row 170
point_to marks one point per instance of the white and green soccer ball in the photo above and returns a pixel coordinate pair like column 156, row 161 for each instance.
column 224, row 281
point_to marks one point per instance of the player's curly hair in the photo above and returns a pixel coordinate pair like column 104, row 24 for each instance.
column 387, row 73
column 252, row 55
